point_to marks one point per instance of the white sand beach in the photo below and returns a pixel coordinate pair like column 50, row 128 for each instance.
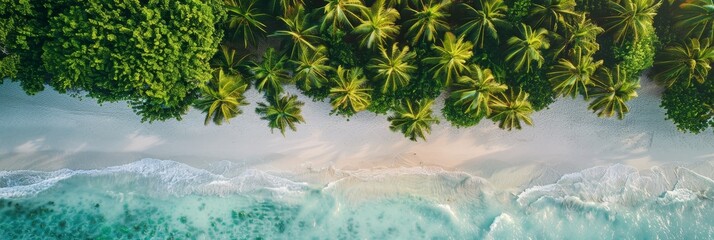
column 51, row 131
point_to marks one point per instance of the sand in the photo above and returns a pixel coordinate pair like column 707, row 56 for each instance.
column 51, row 131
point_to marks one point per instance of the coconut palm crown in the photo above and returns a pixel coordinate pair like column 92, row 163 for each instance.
column 281, row 112
column 429, row 21
column 413, row 119
column 222, row 98
column 527, row 48
column 684, row 62
column 573, row 76
column 611, row 92
column 510, row 109
column 393, row 67
column 475, row 89
column 450, row 59
column 378, row 26
column 631, row 19
column 484, row 21
column 270, row 73
column 350, row 95
column 246, row 21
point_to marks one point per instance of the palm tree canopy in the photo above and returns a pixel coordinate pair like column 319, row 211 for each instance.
column 270, row 73
column 553, row 13
column 227, row 60
column 611, row 92
column 684, row 62
column 312, row 68
column 394, row 67
column 300, row 33
column 509, row 110
column 245, row 19
column 485, row 21
column 573, row 76
column 631, row 19
column 378, row 26
column 281, row 112
column 582, row 34
column 341, row 13
column 526, row 49
column 427, row 22
column 451, row 58
column 350, row 92
column 696, row 17
column 474, row 90
column 222, row 97
column 414, row 120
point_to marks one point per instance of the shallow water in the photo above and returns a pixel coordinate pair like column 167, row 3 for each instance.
column 165, row 199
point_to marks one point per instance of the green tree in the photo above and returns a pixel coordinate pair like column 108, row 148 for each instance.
column 581, row 34
column 394, row 68
column 689, row 106
column 485, row 21
column 611, row 91
column 526, row 48
column 300, row 33
column 222, row 97
column 426, row 23
column 350, row 93
column 696, row 18
column 312, row 68
column 413, row 119
column 341, row 13
column 684, row 62
column 573, row 76
column 474, row 90
column 631, row 19
column 378, row 26
column 553, row 13
column 281, row 112
column 450, row 59
column 246, row 21
column 270, row 73
column 509, row 110
column 227, row 60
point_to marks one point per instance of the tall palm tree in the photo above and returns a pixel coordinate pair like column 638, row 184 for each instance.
column 570, row 77
column 270, row 73
column 631, row 19
column 696, row 18
column 474, row 90
column 509, row 110
column 286, row 5
column 341, row 13
column 484, row 22
column 312, row 68
column 553, row 13
column 245, row 19
column 612, row 91
column 300, row 33
column 526, row 49
column 350, row 92
column 378, row 26
column 222, row 97
column 394, row 67
column 684, row 61
column 281, row 112
column 227, row 60
column 427, row 22
column 582, row 34
column 451, row 58
column 414, row 120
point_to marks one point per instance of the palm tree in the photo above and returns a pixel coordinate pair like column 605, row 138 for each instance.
column 222, row 97
column 429, row 21
column 451, row 58
column 339, row 13
column 312, row 68
column 474, row 91
column 525, row 50
column 300, row 33
column 394, row 68
column 350, row 93
column 378, row 26
column 244, row 18
column 509, row 110
column 226, row 60
column 696, row 17
column 553, row 13
column 414, row 120
column 281, row 112
column 685, row 61
column 612, row 91
column 582, row 34
column 286, row 5
column 572, row 77
column 270, row 73
column 631, row 18
column 485, row 21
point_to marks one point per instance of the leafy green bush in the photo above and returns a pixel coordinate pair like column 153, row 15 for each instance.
column 455, row 114
column 690, row 107
column 517, row 10
column 536, row 84
column 635, row 57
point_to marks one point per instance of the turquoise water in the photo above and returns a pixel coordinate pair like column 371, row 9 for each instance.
column 169, row 200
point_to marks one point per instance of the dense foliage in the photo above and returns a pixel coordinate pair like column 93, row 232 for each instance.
column 495, row 59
